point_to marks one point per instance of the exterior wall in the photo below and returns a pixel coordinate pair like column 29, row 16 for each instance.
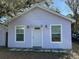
column 38, row 16
column 2, row 36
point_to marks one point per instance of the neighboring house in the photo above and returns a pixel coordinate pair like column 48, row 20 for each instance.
column 3, row 39
column 40, row 27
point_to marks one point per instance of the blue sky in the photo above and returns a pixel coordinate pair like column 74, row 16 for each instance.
column 60, row 4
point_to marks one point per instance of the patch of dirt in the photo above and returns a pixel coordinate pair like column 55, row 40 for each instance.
column 6, row 54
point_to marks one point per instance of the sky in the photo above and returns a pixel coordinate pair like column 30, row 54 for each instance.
column 60, row 4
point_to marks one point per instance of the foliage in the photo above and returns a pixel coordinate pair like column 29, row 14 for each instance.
column 74, row 6
column 10, row 7
column 70, row 16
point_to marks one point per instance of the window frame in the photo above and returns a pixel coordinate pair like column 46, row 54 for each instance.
column 60, row 33
column 16, row 33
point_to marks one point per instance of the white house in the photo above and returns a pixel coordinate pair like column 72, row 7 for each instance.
column 3, row 37
column 40, row 27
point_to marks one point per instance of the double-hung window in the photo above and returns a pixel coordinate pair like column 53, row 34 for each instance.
column 56, row 33
column 20, row 33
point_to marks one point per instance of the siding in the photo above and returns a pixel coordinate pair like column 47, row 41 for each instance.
column 2, row 36
column 38, row 16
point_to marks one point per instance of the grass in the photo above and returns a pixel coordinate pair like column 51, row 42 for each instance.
column 76, row 47
column 6, row 54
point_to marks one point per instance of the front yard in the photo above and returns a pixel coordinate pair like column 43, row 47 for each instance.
column 6, row 54
column 75, row 52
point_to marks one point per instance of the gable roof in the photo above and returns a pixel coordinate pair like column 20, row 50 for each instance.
column 44, row 8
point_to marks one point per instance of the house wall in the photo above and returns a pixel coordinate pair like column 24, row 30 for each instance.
column 38, row 16
column 2, row 36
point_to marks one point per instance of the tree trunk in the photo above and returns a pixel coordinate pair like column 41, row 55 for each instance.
column 75, row 24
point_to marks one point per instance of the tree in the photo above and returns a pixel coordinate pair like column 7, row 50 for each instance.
column 74, row 6
column 70, row 16
column 11, row 7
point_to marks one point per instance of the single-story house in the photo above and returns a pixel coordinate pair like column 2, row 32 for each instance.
column 40, row 27
column 3, row 33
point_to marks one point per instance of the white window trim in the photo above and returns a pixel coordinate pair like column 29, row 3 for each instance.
column 51, row 32
column 15, row 34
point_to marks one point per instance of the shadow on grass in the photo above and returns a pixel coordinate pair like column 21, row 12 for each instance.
column 5, row 53
column 43, row 55
column 76, row 47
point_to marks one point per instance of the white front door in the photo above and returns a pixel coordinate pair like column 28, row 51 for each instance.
column 37, row 37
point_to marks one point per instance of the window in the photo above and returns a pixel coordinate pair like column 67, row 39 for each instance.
column 56, row 33
column 19, row 33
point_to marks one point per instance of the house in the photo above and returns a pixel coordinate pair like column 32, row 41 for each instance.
column 40, row 27
column 3, row 39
